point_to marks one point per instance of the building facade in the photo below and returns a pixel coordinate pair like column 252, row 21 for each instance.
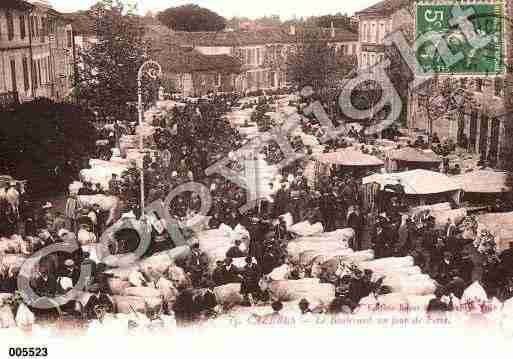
column 34, row 48
column 262, row 54
column 481, row 119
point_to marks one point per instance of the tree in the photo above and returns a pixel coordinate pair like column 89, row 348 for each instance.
column 314, row 62
column 108, row 77
column 191, row 18
column 44, row 142
column 338, row 20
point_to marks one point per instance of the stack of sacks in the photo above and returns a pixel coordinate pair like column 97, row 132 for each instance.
column 215, row 243
column 75, row 186
column 309, row 288
column 117, row 286
column 306, row 229
column 24, row 317
column 161, row 262
column 128, row 304
column 332, row 264
column 12, row 262
column 456, row 216
column 229, row 294
column 421, row 210
column 329, row 247
column 345, row 236
column 127, row 142
column 101, row 172
column 280, row 273
column 475, row 294
column 6, row 315
column 388, row 265
column 419, row 284
column 167, row 291
column 13, row 245
column 289, row 220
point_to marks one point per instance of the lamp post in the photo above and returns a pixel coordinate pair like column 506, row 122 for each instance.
column 153, row 70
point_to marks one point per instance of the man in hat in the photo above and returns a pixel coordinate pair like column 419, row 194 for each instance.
column 58, row 223
column 84, row 219
column 68, row 275
column 506, row 260
column 70, row 212
column 219, row 274
column 250, row 288
column 114, row 185
column 235, row 251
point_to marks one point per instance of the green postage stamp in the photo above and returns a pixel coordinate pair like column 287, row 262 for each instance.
column 488, row 21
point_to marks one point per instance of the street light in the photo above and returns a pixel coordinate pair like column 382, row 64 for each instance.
column 153, row 70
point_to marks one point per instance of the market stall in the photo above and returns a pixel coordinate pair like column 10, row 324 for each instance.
column 410, row 158
column 483, row 187
column 347, row 161
column 421, row 187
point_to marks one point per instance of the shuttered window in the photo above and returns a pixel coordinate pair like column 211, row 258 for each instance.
column 25, row 74
column 10, row 25
column 23, row 30
column 13, row 76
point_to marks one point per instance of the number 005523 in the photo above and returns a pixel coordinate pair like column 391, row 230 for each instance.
column 34, row 352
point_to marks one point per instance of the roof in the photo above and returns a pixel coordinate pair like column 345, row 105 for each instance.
column 483, row 181
column 249, row 38
column 179, row 60
column 410, row 154
column 83, row 23
column 385, row 7
column 16, row 4
column 417, row 182
column 350, row 158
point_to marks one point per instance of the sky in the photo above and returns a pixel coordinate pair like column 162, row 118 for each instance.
column 287, row 9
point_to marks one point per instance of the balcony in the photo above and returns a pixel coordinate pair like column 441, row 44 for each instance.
column 8, row 99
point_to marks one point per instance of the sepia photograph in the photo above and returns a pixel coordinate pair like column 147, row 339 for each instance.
column 235, row 178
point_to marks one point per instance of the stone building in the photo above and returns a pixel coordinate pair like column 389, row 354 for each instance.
column 262, row 54
column 36, row 57
column 473, row 111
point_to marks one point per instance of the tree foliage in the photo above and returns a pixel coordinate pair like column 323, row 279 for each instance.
column 108, row 77
column 44, row 142
column 314, row 62
column 191, row 18
column 338, row 20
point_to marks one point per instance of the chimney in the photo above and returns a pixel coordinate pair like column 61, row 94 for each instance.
column 293, row 30
column 332, row 30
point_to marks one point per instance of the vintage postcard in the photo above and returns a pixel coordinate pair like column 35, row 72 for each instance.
column 232, row 178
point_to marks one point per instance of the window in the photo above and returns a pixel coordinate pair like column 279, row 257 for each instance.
column 23, row 32
column 373, row 33
column 13, row 75
column 368, row 36
column 499, row 86
column 479, row 85
column 69, row 38
column 10, row 25
column 34, row 75
column 32, row 26
column 381, row 32
column 39, row 71
column 354, row 49
column 25, row 74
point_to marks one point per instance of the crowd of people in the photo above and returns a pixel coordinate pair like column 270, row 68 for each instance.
column 193, row 137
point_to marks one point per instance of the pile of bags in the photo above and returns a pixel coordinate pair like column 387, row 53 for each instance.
column 13, row 245
column 216, row 242
column 101, row 172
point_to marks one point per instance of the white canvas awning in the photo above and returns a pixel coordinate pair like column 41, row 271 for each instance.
column 416, row 182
